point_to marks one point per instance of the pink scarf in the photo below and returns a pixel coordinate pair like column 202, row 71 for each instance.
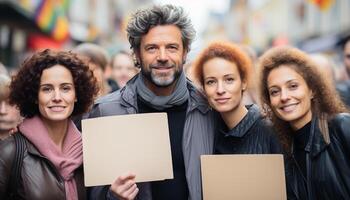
column 65, row 162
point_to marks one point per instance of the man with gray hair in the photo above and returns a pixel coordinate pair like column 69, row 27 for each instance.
column 160, row 38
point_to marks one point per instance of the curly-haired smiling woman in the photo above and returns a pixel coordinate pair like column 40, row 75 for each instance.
column 49, row 88
column 313, row 124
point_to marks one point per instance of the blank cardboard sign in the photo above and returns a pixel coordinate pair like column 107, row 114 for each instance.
column 243, row 177
column 137, row 143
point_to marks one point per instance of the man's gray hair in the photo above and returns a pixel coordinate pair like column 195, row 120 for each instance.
column 143, row 20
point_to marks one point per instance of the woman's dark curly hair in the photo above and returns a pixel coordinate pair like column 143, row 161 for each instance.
column 325, row 103
column 25, row 85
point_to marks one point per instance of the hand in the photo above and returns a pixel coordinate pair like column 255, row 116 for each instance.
column 125, row 187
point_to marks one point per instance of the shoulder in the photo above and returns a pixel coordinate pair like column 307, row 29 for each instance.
column 264, row 126
column 341, row 120
column 340, row 128
column 7, row 149
column 263, row 122
column 260, row 122
column 195, row 93
column 109, row 98
column 107, row 105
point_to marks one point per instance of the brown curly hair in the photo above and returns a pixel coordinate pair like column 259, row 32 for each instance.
column 25, row 85
column 227, row 51
column 325, row 104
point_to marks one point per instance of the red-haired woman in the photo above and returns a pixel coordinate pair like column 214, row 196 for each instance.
column 225, row 71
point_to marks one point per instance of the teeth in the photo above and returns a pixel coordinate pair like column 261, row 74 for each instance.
column 222, row 100
column 289, row 108
column 57, row 108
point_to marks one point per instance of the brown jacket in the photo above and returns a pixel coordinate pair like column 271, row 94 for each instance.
column 40, row 178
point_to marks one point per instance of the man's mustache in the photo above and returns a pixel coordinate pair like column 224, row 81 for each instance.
column 162, row 65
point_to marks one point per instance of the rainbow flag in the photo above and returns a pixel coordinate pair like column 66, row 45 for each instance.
column 50, row 15
column 323, row 5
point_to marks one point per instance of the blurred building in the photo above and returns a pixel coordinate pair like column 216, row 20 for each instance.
column 312, row 25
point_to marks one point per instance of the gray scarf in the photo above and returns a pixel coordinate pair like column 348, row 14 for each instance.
column 178, row 97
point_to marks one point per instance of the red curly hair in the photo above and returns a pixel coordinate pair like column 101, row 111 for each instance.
column 228, row 51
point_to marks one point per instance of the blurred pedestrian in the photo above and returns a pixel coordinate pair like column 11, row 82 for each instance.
column 325, row 65
column 49, row 88
column 312, row 122
column 97, row 57
column 9, row 114
column 344, row 87
column 123, row 68
column 250, row 96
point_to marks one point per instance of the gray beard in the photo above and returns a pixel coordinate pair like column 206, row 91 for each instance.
column 158, row 80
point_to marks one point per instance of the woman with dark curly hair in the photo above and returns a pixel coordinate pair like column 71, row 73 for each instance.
column 224, row 71
column 48, row 89
column 312, row 123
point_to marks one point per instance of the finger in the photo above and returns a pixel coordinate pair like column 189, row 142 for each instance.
column 129, row 193
column 125, row 177
column 121, row 188
column 133, row 194
column 130, row 190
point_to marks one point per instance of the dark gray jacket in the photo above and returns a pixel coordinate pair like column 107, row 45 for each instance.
column 198, row 136
column 252, row 135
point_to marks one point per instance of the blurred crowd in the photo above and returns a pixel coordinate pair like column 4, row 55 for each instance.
column 52, row 87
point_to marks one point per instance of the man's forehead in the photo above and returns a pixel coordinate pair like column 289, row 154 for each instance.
column 162, row 34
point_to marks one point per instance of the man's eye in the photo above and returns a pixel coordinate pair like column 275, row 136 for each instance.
column 173, row 47
column 151, row 49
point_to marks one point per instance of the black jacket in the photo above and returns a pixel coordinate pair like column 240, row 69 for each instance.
column 344, row 92
column 327, row 165
column 252, row 135
column 40, row 179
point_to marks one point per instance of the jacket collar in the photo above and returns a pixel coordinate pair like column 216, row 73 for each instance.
column 31, row 149
column 196, row 100
column 245, row 124
column 316, row 143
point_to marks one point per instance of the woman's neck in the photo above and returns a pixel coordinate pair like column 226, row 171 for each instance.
column 57, row 131
column 302, row 121
column 233, row 117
